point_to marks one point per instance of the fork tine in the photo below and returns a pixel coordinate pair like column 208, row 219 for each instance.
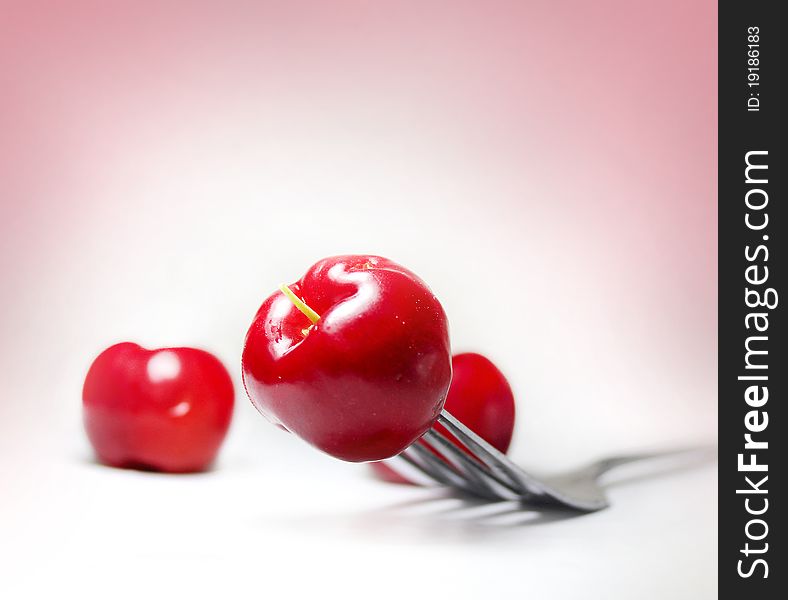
column 472, row 469
column 532, row 490
column 496, row 461
column 485, row 472
column 418, row 463
column 439, row 470
column 404, row 466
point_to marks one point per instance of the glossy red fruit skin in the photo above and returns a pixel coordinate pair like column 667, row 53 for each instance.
column 370, row 376
column 480, row 397
column 162, row 410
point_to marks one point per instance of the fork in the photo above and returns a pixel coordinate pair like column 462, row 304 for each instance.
column 480, row 470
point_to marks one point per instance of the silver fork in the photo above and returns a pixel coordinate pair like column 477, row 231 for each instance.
column 485, row 472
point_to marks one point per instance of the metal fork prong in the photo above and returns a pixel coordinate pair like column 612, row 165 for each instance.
column 471, row 468
column 436, row 447
column 434, row 472
column 533, row 490
column 405, row 466
column 474, row 482
column 439, row 470
column 496, row 461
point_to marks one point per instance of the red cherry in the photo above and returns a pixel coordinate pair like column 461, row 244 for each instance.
column 162, row 410
column 481, row 398
column 354, row 357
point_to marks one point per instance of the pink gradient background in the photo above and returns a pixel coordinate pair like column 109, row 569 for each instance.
column 549, row 167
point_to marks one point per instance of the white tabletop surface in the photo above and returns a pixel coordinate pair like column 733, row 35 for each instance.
column 282, row 520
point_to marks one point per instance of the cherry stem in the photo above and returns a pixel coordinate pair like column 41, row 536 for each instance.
column 300, row 304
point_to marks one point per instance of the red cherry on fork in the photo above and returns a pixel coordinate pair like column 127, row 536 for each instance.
column 163, row 410
column 353, row 357
column 481, row 398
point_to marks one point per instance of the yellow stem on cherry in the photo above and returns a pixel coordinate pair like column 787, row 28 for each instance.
column 300, row 304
